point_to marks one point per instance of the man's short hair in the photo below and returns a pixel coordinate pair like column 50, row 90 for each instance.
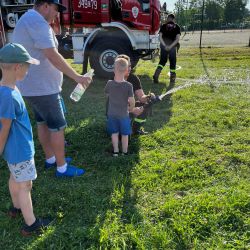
column 121, row 65
column 171, row 15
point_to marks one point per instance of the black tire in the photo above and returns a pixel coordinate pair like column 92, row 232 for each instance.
column 103, row 54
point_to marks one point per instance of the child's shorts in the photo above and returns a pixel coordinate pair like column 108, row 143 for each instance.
column 23, row 171
column 119, row 125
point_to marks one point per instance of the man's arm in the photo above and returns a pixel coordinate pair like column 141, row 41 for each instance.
column 4, row 132
column 162, row 41
column 61, row 64
column 174, row 43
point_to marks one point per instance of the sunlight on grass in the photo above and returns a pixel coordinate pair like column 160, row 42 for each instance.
column 183, row 186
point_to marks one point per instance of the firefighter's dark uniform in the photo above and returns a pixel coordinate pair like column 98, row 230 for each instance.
column 169, row 32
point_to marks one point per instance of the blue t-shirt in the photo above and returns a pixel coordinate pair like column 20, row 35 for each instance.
column 19, row 146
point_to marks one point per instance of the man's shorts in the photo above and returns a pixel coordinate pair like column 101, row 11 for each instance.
column 119, row 125
column 49, row 110
column 23, row 171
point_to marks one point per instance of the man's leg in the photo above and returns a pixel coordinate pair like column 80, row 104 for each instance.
column 58, row 146
column 51, row 124
column 45, row 140
column 162, row 63
column 172, row 60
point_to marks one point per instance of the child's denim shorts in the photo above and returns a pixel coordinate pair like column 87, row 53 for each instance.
column 119, row 125
column 49, row 109
column 23, row 171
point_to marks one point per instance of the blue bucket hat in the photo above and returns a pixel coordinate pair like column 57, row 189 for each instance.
column 16, row 53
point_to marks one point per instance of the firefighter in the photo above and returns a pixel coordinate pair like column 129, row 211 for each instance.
column 169, row 39
column 143, row 104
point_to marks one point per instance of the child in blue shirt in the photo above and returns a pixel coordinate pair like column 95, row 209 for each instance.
column 16, row 139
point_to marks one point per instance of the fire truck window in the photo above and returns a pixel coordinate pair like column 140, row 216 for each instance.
column 145, row 5
column 116, row 8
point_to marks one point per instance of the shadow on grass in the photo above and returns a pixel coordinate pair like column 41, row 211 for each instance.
column 91, row 211
column 88, row 209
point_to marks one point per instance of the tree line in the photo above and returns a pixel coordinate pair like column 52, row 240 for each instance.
column 217, row 14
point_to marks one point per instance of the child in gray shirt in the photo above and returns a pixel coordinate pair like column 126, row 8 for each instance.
column 121, row 101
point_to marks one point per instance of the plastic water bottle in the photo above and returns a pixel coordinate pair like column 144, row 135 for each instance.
column 79, row 89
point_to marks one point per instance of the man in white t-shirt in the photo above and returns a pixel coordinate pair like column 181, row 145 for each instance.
column 42, row 85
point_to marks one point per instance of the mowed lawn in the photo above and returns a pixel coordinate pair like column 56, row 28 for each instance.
column 183, row 186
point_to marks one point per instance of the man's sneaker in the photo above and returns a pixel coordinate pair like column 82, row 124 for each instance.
column 14, row 212
column 52, row 165
column 36, row 227
column 71, row 171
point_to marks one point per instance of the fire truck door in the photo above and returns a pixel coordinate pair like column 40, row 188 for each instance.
column 90, row 11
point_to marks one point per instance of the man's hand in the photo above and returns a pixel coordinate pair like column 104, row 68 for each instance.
column 167, row 48
column 85, row 81
column 149, row 96
column 137, row 110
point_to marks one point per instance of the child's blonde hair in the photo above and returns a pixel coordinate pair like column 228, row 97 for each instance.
column 121, row 65
column 124, row 56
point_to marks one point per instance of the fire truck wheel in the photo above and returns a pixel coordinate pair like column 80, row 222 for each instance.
column 103, row 54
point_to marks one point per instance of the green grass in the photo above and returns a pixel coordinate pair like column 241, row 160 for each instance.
column 185, row 185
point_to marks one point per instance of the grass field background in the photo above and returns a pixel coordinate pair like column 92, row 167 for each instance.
column 183, row 186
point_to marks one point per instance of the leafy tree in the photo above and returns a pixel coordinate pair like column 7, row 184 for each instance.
column 235, row 10
column 213, row 10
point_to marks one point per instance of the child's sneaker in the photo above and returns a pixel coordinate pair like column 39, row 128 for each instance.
column 36, row 227
column 115, row 154
column 71, row 171
column 52, row 165
column 124, row 153
column 14, row 212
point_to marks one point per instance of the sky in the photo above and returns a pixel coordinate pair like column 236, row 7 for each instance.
column 170, row 4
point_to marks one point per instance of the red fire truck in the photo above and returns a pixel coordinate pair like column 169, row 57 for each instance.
column 97, row 30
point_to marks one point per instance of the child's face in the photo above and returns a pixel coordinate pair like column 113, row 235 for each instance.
column 129, row 67
column 21, row 71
